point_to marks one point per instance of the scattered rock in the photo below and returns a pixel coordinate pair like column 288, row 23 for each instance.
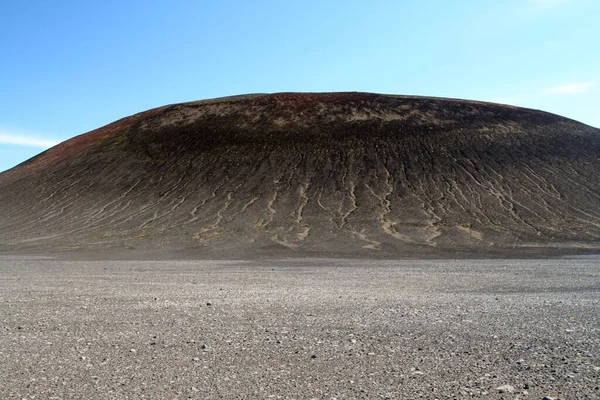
column 313, row 356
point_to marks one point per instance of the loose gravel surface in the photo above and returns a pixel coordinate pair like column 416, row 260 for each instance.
column 302, row 329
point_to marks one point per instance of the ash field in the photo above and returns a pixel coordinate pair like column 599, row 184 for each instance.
column 299, row 329
column 395, row 247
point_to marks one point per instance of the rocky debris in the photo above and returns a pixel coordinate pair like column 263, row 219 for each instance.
column 433, row 327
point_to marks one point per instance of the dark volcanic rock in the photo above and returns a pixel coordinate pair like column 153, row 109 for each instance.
column 348, row 174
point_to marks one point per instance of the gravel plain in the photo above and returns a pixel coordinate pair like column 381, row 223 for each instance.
column 299, row 329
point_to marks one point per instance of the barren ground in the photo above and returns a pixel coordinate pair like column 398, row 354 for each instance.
column 299, row 329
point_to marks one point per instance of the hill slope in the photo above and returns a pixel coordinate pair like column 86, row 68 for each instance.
column 353, row 174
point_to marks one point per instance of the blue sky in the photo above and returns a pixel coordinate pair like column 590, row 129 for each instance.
column 67, row 67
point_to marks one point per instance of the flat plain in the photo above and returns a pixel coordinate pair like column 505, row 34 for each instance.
column 313, row 328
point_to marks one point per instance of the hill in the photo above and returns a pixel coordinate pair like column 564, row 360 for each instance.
column 336, row 174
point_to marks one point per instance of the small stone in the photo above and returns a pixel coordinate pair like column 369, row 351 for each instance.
column 547, row 398
column 506, row 389
column 204, row 347
column 209, row 304
column 195, row 359
column 313, row 356
column 133, row 350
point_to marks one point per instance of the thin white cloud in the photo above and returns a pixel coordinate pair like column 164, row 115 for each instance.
column 571, row 88
column 19, row 139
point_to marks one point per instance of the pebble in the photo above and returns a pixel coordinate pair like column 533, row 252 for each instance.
column 506, row 389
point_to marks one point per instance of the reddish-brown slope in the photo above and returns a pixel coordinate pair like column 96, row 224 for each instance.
column 74, row 147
